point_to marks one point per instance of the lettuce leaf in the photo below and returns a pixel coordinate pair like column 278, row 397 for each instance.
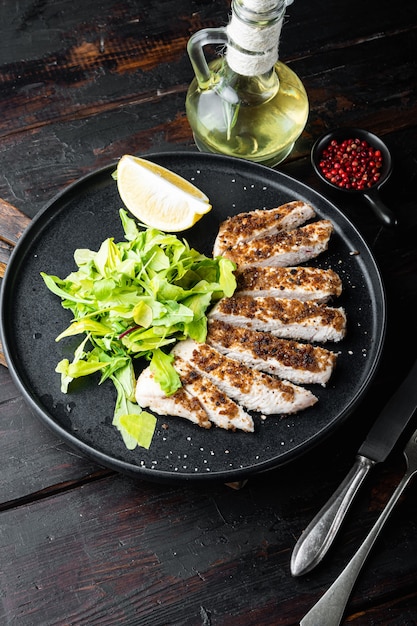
column 135, row 299
column 135, row 425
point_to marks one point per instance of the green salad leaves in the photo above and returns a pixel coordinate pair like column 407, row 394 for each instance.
column 132, row 299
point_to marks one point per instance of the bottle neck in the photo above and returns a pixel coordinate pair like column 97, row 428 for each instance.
column 253, row 35
column 258, row 12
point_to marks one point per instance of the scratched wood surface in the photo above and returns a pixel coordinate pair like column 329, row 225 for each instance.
column 80, row 85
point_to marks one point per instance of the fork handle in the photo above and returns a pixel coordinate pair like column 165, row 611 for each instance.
column 328, row 611
column 319, row 534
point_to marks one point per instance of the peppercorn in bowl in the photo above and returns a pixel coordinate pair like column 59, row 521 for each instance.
column 356, row 161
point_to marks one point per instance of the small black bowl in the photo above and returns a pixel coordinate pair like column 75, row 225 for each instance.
column 370, row 195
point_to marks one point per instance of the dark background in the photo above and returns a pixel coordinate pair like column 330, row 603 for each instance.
column 82, row 83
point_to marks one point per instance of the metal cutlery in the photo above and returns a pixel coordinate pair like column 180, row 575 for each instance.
column 328, row 611
column 317, row 538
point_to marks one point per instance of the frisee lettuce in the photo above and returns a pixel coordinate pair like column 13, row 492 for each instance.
column 133, row 299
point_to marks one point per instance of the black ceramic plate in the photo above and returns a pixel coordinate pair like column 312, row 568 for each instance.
column 87, row 213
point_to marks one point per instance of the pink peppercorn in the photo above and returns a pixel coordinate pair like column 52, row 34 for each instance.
column 351, row 164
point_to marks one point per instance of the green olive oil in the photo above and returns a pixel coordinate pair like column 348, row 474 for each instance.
column 251, row 117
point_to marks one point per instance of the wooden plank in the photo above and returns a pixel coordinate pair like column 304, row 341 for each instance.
column 96, row 142
column 2, row 357
column 113, row 62
column 151, row 554
column 109, row 63
column 13, row 222
column 5, row 252
column 337, row 94
column 33, row 459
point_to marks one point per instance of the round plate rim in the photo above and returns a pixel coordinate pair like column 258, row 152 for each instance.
column 105, row 459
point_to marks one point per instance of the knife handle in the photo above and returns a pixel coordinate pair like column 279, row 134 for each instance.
column 319, row 534
column 328, row 611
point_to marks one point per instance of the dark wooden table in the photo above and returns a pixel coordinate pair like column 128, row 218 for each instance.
column 82, row 83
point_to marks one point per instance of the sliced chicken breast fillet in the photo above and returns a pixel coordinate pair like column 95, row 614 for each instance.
column 285, row 248
column 301, row 283
column 181, row 404
column 254, row 224
column 255, row 390
column 289, row 319
column 299, row 363
column 221, row 409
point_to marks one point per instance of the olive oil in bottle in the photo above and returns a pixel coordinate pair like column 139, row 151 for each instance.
column 246, row 104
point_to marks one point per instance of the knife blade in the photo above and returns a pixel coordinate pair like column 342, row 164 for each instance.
column 392, row 420
column 317, row 538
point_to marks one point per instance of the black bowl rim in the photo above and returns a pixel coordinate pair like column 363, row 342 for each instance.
column 344, row 132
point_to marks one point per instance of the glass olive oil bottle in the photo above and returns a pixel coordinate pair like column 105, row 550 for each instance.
column 247, row 103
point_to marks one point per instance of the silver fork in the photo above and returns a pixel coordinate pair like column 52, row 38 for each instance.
column 328, row 611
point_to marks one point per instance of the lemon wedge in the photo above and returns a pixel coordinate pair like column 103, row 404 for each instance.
column 158, row 197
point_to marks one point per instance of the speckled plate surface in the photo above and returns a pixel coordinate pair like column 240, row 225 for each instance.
column 87, row 213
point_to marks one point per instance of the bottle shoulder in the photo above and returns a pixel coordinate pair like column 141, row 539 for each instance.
column 248, row 90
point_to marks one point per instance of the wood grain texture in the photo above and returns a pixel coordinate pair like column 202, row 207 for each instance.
column 13, row 222
column 81, row 84
column 226, row 557
column 85, row 110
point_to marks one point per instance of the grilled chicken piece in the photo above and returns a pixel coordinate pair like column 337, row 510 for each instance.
column 302, row 283
column 284, row 248
column 222, row 411
column 254, row 224
column 199, row 401
column 300, row 363
column 291, row 319
column 255, row 390
column 181, row 404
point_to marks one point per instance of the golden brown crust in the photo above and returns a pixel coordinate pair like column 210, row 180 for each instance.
column 309, row 240
column 239, row 375
column 254, row 224
column 246, row 225
column 307, row 279
column 285, row 310
column 266, row 346
column 217, row 398
column 192, row 404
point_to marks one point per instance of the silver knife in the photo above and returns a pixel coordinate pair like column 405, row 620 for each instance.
column 317, row 538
